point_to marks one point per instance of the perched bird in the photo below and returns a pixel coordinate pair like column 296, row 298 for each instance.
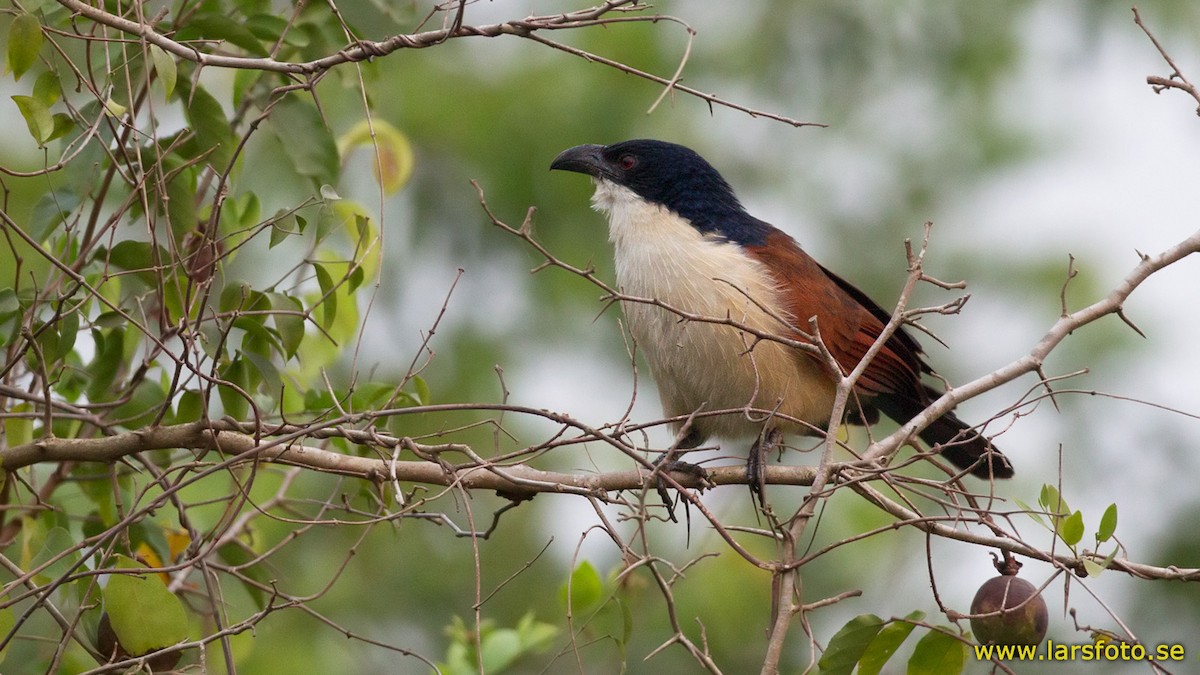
column 682, row 238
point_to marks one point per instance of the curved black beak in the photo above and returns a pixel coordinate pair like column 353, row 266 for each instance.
column 586, row 159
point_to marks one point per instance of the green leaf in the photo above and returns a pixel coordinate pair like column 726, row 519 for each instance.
column 181, row 202
column 536, row 635
column 236, row 555
column 1092, row 568
column 49, row 212
column 115, row 108
column 356, row 278
column 67, row 328
column 1108, row 524
column 938, row 653
column 216, row 26
column 267, row 27
column 1031, row 512
column 317, row 157
column 235, row 404
column 325, row 222
column 164, row 66
column 190, row 407
column 243, row 80
column 849, row 644
column 371, row 395
column 9, row 303
column 885, row 644
column 7, row 621
column 37, row 117
column 1052, row 502
column 18, row 430
column 57, row 540
column 208, row 122
column 1071, row 529
column 586, row 588
column 268, row 374
column 24, row 43
column 63, row 124
column 499, row 649
column 110, row 351
column 144, row 614
column 138, row 256
column 422, row 390
column 280, row 230
column 290, row 325
column 47, row 88
column 329, row 304
column 147, row 398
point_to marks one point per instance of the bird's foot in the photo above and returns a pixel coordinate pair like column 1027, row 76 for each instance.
column 756, row 463
column 666, row 464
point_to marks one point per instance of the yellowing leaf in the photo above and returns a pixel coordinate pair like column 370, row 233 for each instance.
column 394, row 157
column 113, row 108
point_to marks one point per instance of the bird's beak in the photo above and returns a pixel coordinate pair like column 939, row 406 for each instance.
column 582, row 159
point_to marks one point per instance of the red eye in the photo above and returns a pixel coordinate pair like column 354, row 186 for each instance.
column 627, row 162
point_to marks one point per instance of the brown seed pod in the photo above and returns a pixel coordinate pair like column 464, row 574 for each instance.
column 1024, row 618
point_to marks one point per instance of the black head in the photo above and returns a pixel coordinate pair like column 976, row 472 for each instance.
column 667, row 174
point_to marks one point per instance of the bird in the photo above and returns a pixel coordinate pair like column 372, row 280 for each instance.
column 685, row 247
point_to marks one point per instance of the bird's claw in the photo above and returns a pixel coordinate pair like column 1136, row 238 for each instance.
column 666, row 465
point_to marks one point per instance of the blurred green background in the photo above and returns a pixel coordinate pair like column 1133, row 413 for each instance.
column 1024, row 130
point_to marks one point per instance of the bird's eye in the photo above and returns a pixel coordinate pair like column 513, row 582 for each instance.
column 627, row 162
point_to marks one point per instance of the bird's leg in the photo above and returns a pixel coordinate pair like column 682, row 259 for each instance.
column 756, row 462
column 667, row 462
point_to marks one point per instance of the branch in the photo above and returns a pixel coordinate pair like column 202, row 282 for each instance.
column 365, row 50
column 1176, row 80
column 1032, row 362
column 228, row 438
column 913, row 519
column 360, row 51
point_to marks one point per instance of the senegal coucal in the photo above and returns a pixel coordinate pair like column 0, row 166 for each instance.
column 681, row 237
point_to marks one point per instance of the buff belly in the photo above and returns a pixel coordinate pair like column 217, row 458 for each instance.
column 703, row 366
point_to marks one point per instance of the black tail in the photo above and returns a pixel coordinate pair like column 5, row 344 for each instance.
column 952, row 437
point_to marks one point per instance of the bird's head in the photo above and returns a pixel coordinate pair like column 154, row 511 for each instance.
column 666, row 174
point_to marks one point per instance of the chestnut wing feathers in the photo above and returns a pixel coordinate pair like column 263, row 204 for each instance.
column 848, row 320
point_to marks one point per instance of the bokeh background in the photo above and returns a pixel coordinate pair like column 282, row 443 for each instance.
column 1024, row 130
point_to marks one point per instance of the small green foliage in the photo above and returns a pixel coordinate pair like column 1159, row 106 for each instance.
column 868, row 642
column 886, row 642
column 496, row 648
column 8, row 619
column 1108, row 524
column 144, row 614
column 37, row 118
column 164, row 67
column 1071, row 528
column 938, row 653
column 585, row 589
column 317, row 157
column 849, row 644
column 24, row 43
